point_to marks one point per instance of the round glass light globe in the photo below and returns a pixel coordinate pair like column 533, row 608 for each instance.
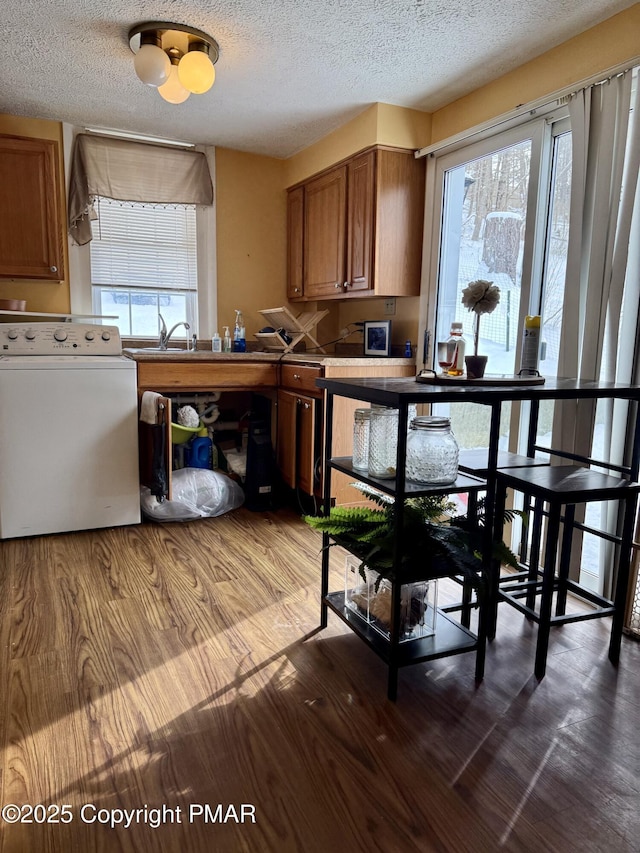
column 173, row 91
column 196, row 72
column 152, row 65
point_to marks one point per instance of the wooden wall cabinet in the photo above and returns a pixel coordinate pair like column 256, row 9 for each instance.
column 30, row 209
column 295, row 244
column 325, row 216
column 356, row 229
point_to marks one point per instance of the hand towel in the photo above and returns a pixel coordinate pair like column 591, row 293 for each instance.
column 149, row 407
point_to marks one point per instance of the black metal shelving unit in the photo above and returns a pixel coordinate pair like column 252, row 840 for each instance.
column 451, row 637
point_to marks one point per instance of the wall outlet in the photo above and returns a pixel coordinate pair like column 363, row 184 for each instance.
column 390, row 305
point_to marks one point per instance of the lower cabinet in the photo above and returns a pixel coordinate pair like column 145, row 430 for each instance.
column 299, row 441
column 298, row 430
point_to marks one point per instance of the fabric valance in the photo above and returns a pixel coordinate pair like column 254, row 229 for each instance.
column 132, row 171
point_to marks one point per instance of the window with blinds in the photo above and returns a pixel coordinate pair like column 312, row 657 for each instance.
column 144, row 262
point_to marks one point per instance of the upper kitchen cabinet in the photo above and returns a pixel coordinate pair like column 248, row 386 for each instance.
column 30, row 209
column 295, row 243
column 325, row 233
column 356, row 229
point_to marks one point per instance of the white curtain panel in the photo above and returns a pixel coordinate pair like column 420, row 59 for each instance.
column 603, row 190
column 602, row 283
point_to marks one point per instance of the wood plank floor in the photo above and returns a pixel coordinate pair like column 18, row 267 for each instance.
column 173, row 666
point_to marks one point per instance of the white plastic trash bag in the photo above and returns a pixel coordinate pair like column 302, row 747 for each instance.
column 197, row 493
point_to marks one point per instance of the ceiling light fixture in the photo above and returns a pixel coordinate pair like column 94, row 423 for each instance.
column 175, row 59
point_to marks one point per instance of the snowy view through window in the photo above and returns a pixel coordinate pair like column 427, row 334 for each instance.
column 483, row 236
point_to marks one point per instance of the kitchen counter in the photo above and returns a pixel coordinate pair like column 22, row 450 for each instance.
column 142, row 354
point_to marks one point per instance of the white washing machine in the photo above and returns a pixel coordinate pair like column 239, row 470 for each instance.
column 68, row 429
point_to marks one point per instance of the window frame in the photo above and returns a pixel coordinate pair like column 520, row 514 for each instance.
column 539, row 131
column 144, row 292
column 206, row 250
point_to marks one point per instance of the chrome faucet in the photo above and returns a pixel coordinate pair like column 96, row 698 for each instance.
column 164, row 336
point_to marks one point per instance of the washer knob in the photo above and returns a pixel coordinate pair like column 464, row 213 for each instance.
column 12, row 334
column 89, row 336
column 106, row 336
column 60, row 335
column 30, row 335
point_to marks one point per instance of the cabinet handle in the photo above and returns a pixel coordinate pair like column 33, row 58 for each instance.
column 296, row 290
column 296, row 376
column 53, row 269
column 346, row 285
column 306, row 405
column 337, row 285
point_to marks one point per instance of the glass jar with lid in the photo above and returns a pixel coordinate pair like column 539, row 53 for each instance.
column 361, row 421
column 432, row 451
column 383, row 442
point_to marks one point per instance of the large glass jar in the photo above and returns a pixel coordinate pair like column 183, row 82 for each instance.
column 411, row 414
column 361, row 420
column 383, row 442
column 432, row 451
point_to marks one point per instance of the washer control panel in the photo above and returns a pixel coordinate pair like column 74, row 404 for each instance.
column 59, row 339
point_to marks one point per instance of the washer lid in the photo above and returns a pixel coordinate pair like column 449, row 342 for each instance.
column 65, row 362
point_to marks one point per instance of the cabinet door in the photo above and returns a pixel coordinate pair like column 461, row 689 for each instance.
column 360, row 213
column 399, row 217
column 286, row 437
column 295, row 245
column 324, row 235
column 30, row 219
column 155, row 450
column 297, row 440
column 306, row 438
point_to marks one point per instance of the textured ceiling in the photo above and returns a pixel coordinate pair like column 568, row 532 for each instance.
column 290, row 71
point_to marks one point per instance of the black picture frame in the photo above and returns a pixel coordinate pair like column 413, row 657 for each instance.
column 377, row 338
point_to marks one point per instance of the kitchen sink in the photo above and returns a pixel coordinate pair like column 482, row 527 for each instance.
column 158, row 349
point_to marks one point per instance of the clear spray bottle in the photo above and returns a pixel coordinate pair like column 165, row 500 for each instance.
column 239, row 339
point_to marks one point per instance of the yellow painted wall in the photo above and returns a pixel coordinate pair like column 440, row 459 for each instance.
column 602, row 47
column 404, row 323
column 379, row 124
column 251, row 238
column 40, row 296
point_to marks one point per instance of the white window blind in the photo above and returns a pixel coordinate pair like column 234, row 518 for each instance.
column 144, row 246
column 144, row 263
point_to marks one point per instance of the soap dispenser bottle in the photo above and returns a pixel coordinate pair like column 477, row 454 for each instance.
column 216, row 343
column 226, row 341
column 239, row 340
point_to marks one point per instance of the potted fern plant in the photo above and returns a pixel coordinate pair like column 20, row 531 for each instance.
column 436, row 541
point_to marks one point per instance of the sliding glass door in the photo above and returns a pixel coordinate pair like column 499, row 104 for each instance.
column 500, row 213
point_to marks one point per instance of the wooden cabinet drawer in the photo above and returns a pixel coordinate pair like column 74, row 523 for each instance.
column 301, row 378
column 194, row 375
